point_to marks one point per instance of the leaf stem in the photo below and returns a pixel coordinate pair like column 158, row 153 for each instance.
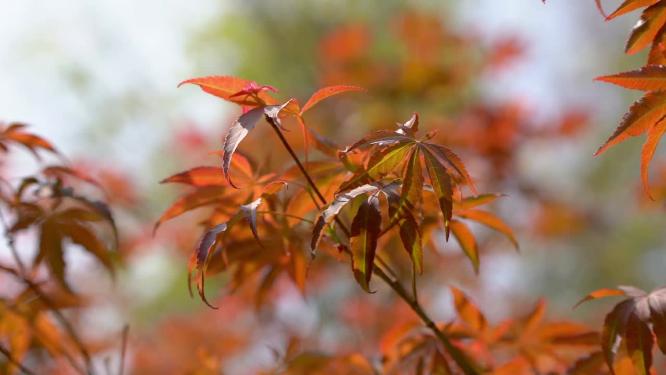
column 458, row 356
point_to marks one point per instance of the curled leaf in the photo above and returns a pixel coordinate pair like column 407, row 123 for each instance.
column 199, row 259
column 249, row 211
column 334, row 209
column 235, row 135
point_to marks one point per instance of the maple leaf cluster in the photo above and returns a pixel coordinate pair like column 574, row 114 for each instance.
column 380, row 212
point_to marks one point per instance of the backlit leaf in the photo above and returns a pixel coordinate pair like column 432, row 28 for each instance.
column 630, row 5
column 475, row 201
column 647, row 78
column 327, row 92
column 227, row 88
column 196, row 199
column 199, row 259
column 491, row 221
column 199, row 176
column 467, row 242
column 601, row 293
column 645, row 31
column 441, row 183
column 654, row 134
column 467, row 311
column 363, row 242
column 641, row 116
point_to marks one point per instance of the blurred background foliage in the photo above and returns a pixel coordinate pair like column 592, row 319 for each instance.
column 509, row 87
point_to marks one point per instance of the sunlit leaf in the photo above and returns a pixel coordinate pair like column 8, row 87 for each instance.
column 467, row 311
column 654, row 135
column 630, row 5
column 491, row 221
column 198, row 198
column 199, row 177
column 333, row 209
column 327, row 92
column 647, row 78
column 467, row 242
column 652, row 20
column 641, row 116
column 228, row 88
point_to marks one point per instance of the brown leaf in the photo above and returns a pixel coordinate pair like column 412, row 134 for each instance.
column 51, row 251
column 249, row 211
column 639, row 344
